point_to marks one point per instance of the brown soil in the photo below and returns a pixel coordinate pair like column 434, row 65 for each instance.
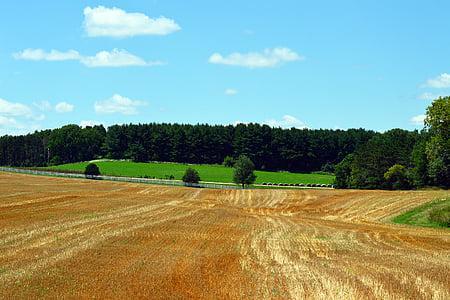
column 95, row 239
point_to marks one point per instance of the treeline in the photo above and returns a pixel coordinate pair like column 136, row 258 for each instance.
column 269, row 148
column 398, row 159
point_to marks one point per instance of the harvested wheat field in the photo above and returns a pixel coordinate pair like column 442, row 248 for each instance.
column 92, row 239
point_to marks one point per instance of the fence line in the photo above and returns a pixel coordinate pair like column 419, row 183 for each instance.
column 122, row 179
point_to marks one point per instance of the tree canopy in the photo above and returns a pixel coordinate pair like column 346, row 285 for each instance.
column 191, row 176
column 402, row 159
column 244, row 171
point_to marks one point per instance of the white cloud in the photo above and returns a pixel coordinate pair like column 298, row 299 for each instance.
column 230, row 92
column 118, row 104
column 439, row 82
column 53, row 55
column 115, row 22
column 430, row 96
column 64, row 107
column 9, row 122
column 43, row 105
column 418, row 120
column 113, row 58
column 116, row 58
column 90, row 123
column 17, row 118
column 14, row 109
column 287, row 122
column 267, row 58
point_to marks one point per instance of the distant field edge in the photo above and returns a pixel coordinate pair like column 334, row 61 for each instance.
column 164, row 182
column 208, row 173
column 434, row 214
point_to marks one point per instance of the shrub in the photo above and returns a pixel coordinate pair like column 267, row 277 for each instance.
column 91, row 170
column 228, row 161
column 191, row 176
column 397, row 177
column 441, row 215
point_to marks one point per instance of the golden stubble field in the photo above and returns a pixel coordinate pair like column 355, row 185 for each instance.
column 92, row 239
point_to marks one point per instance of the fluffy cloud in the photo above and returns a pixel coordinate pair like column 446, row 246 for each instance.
column 114, row 58
column 439, row 82
column 14, row 109
column 230, row 92
column 418, row 120
column 287, row 122
column 267, row 58
column 64, row 107
column 17, row 118
column 118, row 104
column 53, row 55
column 115, row 22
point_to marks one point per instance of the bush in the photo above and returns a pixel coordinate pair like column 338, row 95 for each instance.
column 191, row 176
column 91, row 170
column 397, row 177
column 440, row 215
column 228, row 162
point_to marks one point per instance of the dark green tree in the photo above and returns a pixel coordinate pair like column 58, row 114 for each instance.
column 91, row 170
column 137, row 153
column 228, row 161
column 438, row 147
column 397, row 177
column 343, row 172
column 191, row 176
column 419, row 171
column 244, row 171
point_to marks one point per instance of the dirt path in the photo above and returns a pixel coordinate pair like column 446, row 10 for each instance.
column 91, row 239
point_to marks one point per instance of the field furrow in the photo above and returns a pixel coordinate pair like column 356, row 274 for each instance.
column 62, row 238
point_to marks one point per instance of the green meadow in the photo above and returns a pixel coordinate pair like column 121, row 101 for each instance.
column 209, row 173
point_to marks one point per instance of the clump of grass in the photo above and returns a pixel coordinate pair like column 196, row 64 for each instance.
column 441, row 215
column 434, row 214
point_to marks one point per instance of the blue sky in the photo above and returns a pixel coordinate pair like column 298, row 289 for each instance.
column 319, row 64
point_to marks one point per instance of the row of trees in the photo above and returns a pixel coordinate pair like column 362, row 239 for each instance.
column 243, row 173
column 399, row 159
column 269, row 148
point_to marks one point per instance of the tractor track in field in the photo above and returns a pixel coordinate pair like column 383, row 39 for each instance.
column 91, row 239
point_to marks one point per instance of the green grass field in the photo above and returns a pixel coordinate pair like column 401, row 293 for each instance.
column 211, row 173
column 423, row 215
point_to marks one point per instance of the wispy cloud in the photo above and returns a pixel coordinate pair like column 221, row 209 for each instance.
column 119, row 104
column 265, row 59
column 429, row 96
column 440, row 82
column 113, row 58
column 64, row 107
column 8, row 108
column 43, row 105
column 116, row 22
column 53, row 55
column 287, row 121
column 116, row 58
column 231, row 92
